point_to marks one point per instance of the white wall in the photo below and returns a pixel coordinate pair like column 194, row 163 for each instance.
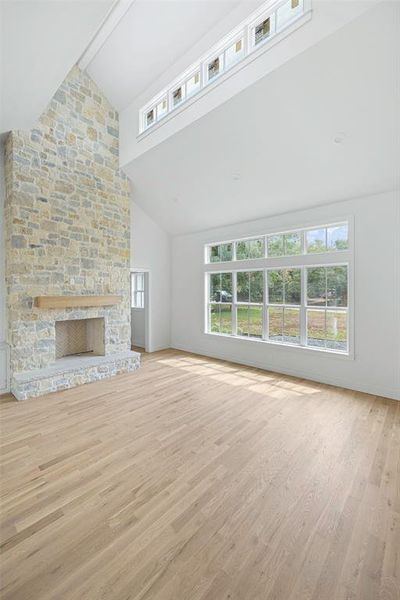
column 151, row 250
column 40, row 42
column 138, row 327
column 205, row 171
column 4, row 387
column 376, row 364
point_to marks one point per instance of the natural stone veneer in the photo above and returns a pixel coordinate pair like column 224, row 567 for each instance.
column 73, row 372
column 67, row 227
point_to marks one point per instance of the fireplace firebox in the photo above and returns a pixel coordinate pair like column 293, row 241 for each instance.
column 80, row 336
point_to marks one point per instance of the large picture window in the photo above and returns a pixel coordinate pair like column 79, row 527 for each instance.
column 304, row 305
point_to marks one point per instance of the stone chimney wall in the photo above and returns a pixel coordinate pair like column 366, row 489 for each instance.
column 67, row 222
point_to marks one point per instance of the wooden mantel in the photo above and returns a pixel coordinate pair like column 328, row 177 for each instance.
column 75, row 301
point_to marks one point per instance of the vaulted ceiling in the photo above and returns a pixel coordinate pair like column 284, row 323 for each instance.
column 323, row 127
column 150, row 37
column 40, row 41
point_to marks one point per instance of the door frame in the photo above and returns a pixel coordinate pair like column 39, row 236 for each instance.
column 147, row 304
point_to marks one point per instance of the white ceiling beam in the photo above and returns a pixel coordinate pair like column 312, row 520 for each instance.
column 113, row 17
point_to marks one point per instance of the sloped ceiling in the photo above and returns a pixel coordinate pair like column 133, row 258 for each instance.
column 150, row 37
column 321, row 128
column 40, row 41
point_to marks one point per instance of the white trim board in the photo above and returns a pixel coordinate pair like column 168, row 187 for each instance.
column 4, row 368
column 113, row 17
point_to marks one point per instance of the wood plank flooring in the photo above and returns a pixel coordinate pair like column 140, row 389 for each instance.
column 196, row 479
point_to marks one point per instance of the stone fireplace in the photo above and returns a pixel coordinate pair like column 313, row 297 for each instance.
column 67, row 237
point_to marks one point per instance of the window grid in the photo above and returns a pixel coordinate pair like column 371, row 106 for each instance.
column 267, row 18
column 246, row 243
column 137, row 290
column 303, row 243
column 284, row 305
column 252, row 304
column 327, row 308
column 303, row 308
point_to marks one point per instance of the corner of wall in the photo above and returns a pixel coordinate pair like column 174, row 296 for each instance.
column 4, row 349
column 151, row 251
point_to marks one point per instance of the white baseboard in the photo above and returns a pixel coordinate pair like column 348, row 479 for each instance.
column 4, row 368
column 391, row 393
column 159, row 347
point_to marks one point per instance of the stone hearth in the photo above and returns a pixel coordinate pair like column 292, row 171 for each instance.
column 71, row 371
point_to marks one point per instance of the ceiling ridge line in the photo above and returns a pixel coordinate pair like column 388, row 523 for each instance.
column 109, row 23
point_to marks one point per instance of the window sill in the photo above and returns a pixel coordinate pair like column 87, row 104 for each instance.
column 322, row 351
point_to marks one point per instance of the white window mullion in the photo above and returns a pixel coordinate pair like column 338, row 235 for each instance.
column 265, row 309
column 234, row 304
column 326, row 294
column 264, row 315
column 245, row 42
column 207, row 316
column 266, row 324
column 201, row 75
column 249, row 44
column 303, row 310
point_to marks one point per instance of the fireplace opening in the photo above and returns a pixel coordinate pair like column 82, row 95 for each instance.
column 80, row 337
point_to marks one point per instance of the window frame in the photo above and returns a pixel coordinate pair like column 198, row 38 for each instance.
column 325, row 309
column 267, row 15
column 243, row 30
column 264, row 237
column 189, row 76
column 218, row 303
column 284, row 305
column 249, row 304
column 135, row 290
column 251, row 239
column 181, row 85
column 241, row 37
column 303, row 261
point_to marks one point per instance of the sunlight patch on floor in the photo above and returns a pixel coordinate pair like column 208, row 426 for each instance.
column 273, row 385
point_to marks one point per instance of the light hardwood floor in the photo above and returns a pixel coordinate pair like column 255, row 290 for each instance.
column 196, row 479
